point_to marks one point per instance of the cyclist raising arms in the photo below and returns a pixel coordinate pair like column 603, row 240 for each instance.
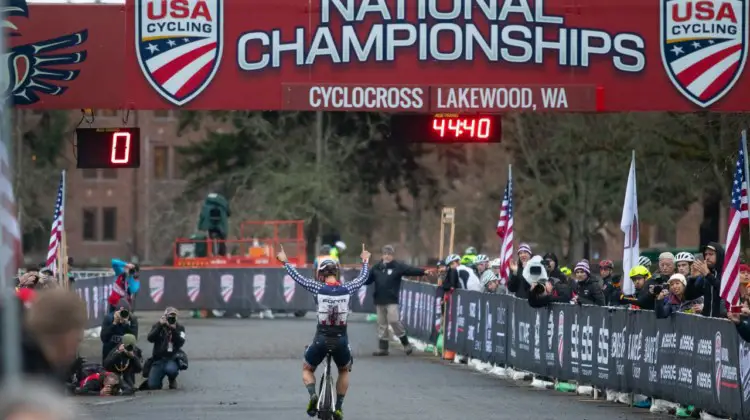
column 332, row 299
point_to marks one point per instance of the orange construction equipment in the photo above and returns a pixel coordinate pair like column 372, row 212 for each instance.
column 257, row 246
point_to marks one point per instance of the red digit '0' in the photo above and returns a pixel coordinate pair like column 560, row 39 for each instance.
column 125, row 137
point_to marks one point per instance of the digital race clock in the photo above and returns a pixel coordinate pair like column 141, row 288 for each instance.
column 447, row 128
column 102, row 148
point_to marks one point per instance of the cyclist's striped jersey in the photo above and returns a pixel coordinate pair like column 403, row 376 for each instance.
column 332, row 300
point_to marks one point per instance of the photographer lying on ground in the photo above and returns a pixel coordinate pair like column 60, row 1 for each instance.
column 126, row 360
column 115, row 325
column 168, row 359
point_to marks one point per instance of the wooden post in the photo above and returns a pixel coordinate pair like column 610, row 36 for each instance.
column 447, row 217
column 64, row 261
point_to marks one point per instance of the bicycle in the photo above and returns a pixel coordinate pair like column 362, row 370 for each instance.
column 326, row 394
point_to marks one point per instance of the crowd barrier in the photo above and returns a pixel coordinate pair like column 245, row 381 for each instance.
column 685, row 359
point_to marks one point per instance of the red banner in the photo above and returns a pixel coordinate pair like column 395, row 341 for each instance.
column 392, row 55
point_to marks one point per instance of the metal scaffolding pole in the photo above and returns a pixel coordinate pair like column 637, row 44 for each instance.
column 11, row 324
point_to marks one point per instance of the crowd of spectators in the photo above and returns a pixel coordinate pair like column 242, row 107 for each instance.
column 681, row 283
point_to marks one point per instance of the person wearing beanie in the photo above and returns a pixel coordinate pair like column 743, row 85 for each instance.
column 672, row 300
column 666, row 268
column 386, row 276
column 125, row 360
column 115, row 325
column 552, row 266
column 588, row 290
column 517, row 284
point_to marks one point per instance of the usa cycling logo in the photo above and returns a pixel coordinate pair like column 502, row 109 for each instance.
column 704, row 46
column 38, row 68
column 179, row 45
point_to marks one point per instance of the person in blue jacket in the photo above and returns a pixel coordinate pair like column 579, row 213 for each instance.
column 126, row 284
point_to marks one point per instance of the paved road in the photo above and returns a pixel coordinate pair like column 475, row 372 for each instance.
column 250, row 368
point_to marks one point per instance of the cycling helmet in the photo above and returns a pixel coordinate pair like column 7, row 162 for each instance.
column 471, row 251
column 565, row 270
column 341, row 245
column 325, row 250
column 481, row 258
column 452, row 258
column 606, row 264
column 639, row 271
column 684, row 257
column 496, row 263
column 644, row 261
column 328, row 267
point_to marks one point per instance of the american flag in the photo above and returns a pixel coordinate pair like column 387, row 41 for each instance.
column 57, row 226
column 505, row 230
column 738, row 216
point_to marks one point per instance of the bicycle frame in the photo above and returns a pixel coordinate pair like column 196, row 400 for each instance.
column 327, row 398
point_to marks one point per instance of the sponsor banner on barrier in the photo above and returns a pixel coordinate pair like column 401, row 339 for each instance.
column 94, row 291
column 687, row 359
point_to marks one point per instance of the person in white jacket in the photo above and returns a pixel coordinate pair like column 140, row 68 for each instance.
column 466, row 277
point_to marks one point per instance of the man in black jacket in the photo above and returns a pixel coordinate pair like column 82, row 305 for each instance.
column 168, row 337
column 126, row 361
column 708, row 282
column 386, row 276
column 115, row 325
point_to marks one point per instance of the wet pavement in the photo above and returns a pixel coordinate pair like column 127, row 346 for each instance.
column 251, row 368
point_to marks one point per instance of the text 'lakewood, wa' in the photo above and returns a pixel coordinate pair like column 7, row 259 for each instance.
column 499, row 98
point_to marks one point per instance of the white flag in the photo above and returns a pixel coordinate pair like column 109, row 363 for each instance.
column 629, row 226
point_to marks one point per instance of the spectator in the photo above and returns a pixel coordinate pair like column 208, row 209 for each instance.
column 469, row 257
column 643, row 297
column 491, row 279
column 31, row 400
column 460, row 276
column 666, row 268
column 106, row 384
column 545, row 293
column 126, row 284
column 708, row 281
column 125, row 360
column 611, row 286
column 744, row 282
column 742, row 322
column 115, row 325
column 684, row 262
column 516, row 283
column 386, row 276
column 52, row 330
column 645, row 261
column 672, row 300
column 588, row 289
column 168, row 337
column 552, row 266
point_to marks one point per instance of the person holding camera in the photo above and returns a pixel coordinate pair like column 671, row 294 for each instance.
column 126, row 284
column 543, row 290
column 168, row 337
column 126, row 361
column 588, row 289
column 115, row 325
column 672, row 300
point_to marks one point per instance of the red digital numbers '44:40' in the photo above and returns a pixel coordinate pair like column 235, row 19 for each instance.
column 462, row 128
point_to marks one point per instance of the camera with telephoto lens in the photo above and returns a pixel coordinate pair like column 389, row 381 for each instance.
column 658, row 289
column 124, row 313
column 171, row 320
column 129, row 347
column 534, row 272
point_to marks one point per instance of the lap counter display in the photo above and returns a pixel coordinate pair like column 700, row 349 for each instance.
column 104, row 148
column 447, row 128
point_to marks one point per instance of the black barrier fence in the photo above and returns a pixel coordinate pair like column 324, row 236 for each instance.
column 686, row 359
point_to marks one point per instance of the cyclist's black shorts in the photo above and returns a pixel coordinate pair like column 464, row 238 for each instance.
column 339, row 348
